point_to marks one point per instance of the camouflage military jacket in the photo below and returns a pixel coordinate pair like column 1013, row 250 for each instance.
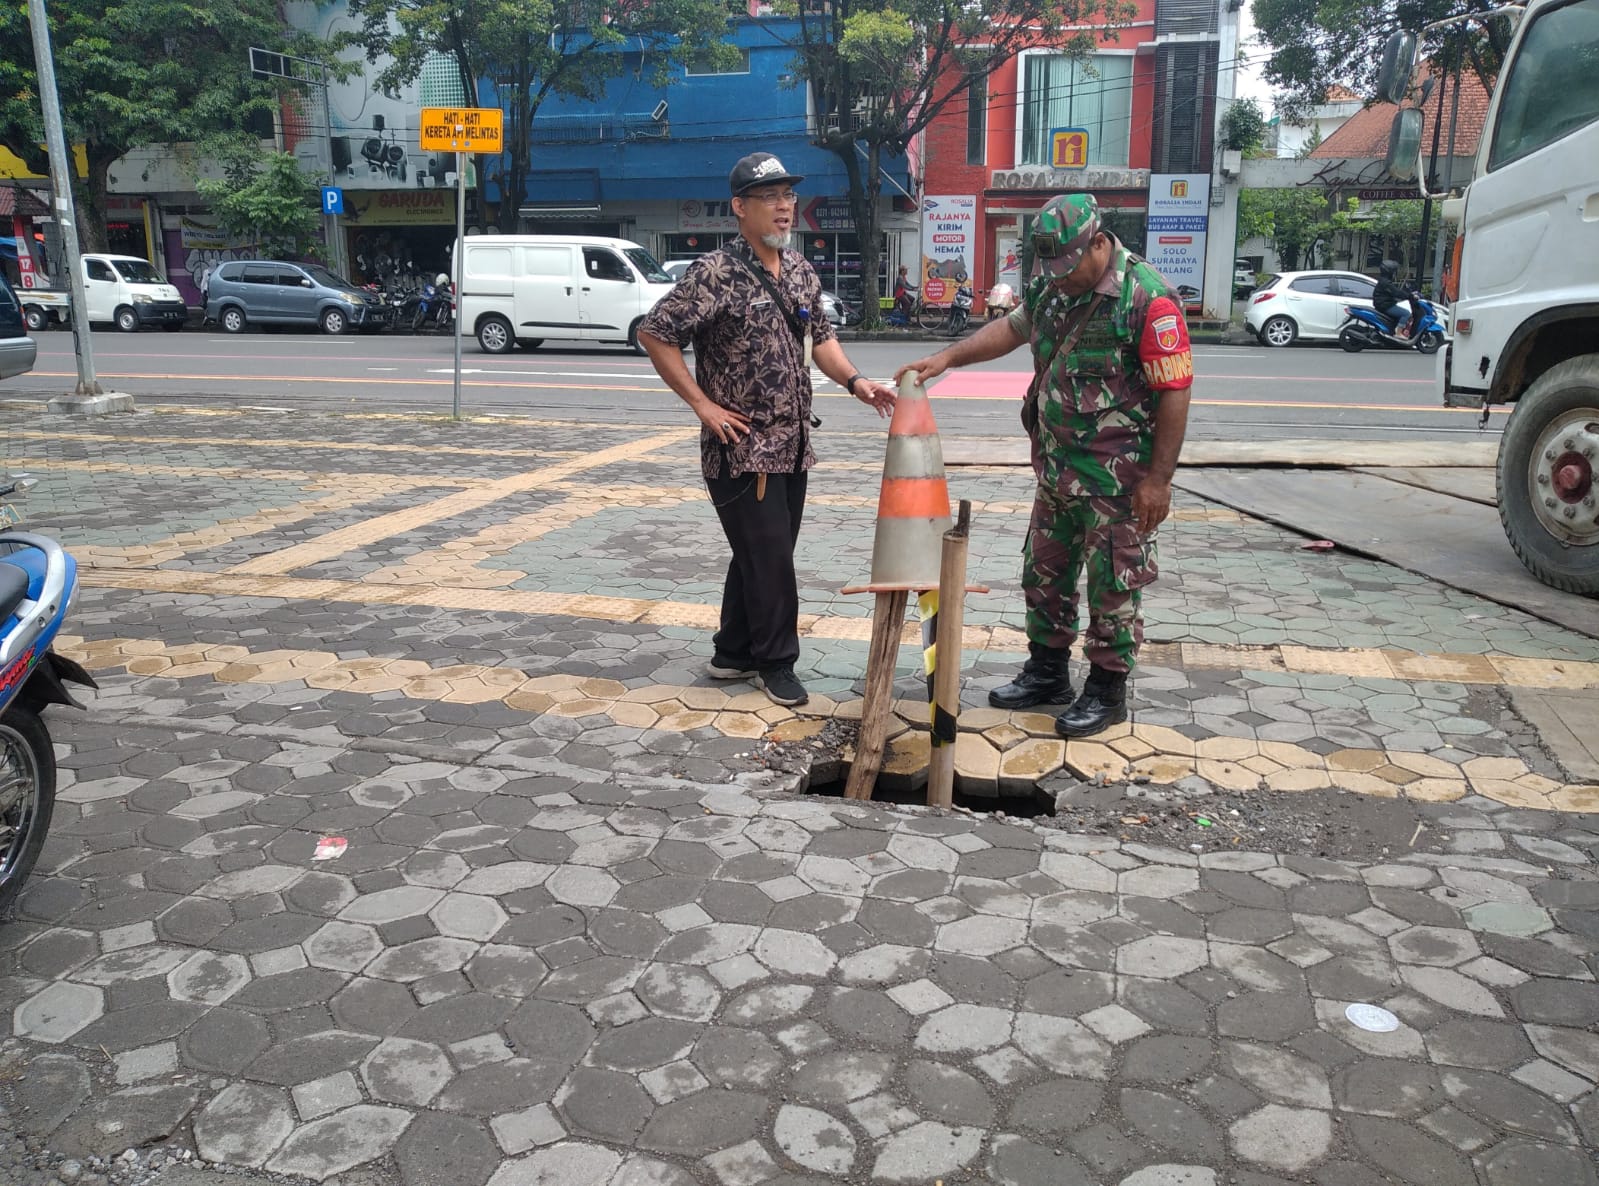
column 1092, row 427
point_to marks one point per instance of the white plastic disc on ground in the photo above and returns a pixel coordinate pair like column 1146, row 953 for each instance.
column 1372, row 1018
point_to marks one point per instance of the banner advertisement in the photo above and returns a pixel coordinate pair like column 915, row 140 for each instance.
column 949, row 245
column 1176, row 225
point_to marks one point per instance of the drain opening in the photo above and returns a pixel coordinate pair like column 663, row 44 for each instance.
column 1016, row 806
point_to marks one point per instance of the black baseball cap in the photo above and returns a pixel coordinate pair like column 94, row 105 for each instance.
column 759, row 168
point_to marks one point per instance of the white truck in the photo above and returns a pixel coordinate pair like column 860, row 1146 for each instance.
column 120, row 290
column 1526, row 277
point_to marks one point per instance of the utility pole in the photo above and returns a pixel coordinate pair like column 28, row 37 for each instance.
column 61, row 167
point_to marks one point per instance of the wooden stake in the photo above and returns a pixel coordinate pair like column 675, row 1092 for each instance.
column 888, row 620
column 947, row 673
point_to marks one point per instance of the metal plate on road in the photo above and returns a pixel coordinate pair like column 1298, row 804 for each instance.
column 462, row 129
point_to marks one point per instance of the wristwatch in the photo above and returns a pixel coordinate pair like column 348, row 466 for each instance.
column 850, row 386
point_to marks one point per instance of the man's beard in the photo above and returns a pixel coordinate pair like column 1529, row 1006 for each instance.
column 776, row 240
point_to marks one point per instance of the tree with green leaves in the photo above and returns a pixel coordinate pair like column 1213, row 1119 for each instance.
column 135, row 72
column 263, row 198
column 1289, row 219
column 1315, row 45
column 529, row 50
column 1394, row 224
column 882, row 70
column 1243, row 128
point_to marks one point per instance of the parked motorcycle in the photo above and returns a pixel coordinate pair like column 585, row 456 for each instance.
column 37, row 583
column 1369, row 327
column 436, row 309
column 1000, row 301
column 960, row 311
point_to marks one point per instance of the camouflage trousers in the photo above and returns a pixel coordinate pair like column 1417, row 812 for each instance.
column 1073, row 534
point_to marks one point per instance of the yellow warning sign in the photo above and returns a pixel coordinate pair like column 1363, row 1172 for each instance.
column 462, row 129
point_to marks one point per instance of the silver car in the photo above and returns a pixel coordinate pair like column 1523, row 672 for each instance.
column 271, row 292
column 17, row 349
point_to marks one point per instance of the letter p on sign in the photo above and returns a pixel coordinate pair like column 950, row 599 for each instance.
column 332, row 200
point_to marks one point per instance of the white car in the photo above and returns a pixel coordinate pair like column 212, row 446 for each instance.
column 1305, row 306
column 834, row 309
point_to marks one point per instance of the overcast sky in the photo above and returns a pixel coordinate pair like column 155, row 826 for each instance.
column 1250, row 83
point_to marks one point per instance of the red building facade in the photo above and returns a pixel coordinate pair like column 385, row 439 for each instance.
column 1145, row 100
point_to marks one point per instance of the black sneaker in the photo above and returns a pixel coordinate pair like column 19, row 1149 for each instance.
column 782, row 687
column 722, row 668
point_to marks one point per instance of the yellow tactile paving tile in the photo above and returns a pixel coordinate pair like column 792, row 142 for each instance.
column 288, row 443
column 1506, row 671
column 357, row 535
column 993, row 748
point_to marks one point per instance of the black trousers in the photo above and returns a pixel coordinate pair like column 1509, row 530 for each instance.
column 760, row 601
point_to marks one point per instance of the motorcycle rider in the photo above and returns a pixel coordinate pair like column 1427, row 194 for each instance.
column 1394, row 300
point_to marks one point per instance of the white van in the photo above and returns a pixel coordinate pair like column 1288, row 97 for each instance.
column 130, row 293
column 518, row 290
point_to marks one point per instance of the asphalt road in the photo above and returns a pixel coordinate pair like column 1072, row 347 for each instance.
column 1241, row 392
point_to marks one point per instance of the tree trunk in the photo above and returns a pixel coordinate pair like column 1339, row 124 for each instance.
column 863, row 195
column 90, row 195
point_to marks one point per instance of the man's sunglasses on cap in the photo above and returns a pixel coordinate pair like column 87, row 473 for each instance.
column 1048, row 246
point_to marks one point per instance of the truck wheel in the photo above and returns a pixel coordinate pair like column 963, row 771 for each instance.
column 27, row 797
column 127, row 320
column 233, row 320
column 494, row 335
column 36, row 318
column 1548, row 497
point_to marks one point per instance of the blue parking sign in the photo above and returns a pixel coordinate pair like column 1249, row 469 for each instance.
column 332, row 200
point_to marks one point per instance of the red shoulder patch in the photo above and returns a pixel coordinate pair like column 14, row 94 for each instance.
column 1163, row 348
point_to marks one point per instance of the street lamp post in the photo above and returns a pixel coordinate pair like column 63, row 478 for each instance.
column 61, row 165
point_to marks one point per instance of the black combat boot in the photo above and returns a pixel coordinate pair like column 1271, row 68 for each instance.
column 1102, row 704
column 1045, row 679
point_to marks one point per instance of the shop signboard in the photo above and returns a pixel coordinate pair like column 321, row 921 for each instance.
column 949, row 245
column 1175, row 228
column 716, row 214
column 828, row 214
column 1068, row 148
column 405, row 207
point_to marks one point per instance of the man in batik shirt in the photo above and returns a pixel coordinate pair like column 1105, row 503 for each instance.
column 1106, row 412
column 753, row 311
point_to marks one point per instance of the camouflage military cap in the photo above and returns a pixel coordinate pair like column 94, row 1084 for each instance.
column 1062, row 232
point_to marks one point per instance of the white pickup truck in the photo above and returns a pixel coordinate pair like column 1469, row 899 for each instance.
column 121, row 290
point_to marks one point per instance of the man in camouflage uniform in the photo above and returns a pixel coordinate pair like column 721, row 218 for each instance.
column 1106, row 412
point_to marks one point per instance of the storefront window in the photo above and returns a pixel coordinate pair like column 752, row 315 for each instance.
column 1062, row 93
column 836, row 256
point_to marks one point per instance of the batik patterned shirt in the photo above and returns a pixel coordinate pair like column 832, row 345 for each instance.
column 747, row 356
column 1093, row 426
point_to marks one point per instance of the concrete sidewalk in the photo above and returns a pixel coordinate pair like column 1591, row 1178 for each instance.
column 584, row 931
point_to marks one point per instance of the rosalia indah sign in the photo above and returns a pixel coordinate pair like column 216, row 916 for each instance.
column 1073, row 180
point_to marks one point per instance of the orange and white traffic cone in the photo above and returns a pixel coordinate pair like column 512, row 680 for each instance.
column 913, row 508
column 912, row 520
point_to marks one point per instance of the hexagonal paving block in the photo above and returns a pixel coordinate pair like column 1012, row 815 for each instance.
column 391, row 905
column 57, row 1011
column 209, row 977
column 404, row 1071
column 468, row 916
column 981, row 935
column 421, row 958
column 343, row 946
